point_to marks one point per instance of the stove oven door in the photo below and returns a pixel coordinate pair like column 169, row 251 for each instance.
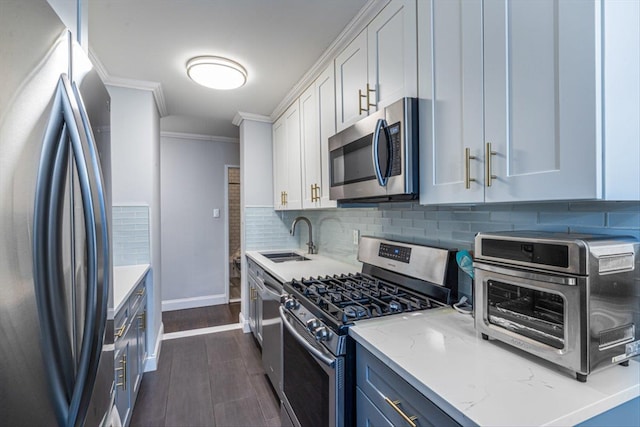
column 313, row 380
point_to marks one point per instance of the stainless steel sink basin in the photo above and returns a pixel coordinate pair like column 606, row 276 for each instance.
column 284, row 256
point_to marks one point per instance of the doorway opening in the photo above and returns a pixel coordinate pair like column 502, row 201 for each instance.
column 233, row 227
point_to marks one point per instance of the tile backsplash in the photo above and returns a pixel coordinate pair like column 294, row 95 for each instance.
column 267, row 229
column 130, row 234
column 455, row 227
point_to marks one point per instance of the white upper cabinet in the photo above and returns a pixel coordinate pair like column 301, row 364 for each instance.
column 379, row 66
column 286, row 160
column 512, row 100
column 318, row 123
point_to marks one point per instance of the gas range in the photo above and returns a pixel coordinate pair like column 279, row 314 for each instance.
column 316, row 313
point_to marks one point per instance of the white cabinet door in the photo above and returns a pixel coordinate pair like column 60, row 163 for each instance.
column 326, row 101
column 310, row 146
column 392, row 54
column 540, row 99
column 351, row 82
column 293, row 168
column 279, row 163
column 451, row 118
column 318, row 123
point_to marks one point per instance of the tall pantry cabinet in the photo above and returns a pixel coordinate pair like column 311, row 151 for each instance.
column 512, row 100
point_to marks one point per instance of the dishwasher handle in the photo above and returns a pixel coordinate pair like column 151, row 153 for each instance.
column 329, row 361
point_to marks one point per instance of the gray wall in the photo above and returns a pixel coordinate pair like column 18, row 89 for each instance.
column 193, row 240
column 456, row 226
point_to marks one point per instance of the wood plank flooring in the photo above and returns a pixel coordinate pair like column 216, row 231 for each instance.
column 203, row 317
column 208, row 380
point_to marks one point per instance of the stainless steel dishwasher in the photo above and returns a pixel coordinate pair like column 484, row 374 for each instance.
column 270, row 292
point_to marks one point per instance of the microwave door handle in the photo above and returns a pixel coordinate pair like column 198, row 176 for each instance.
column 381, row 125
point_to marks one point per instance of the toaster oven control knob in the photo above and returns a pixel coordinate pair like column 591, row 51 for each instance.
column 313, row 324
column 323, row 333
column 291, row 304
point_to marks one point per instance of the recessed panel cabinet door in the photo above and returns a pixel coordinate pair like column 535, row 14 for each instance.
column 392, row 54
column 451, row 118
column 539, row 100
column 293, row 168
column 351, row 77
column 279, row 166
column 326, row 99
column 310, row 146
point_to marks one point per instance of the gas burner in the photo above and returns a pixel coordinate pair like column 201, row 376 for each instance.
column 355, row 312
column 395, row 307
column 316, row 289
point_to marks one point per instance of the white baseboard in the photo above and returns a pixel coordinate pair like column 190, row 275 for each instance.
column 245, row 323
column 152, row 360
column 194, row 302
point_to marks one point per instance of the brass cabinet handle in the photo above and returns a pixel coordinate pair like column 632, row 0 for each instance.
column 120, row 330
column 467, row 168
column 487, row 161
column 394, row 404
column 286, row 198
column 315, row 193
column 369, row 104
column 143, row 320
column 360, row 96
column 123, row 368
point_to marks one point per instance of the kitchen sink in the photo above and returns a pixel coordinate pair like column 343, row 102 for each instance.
column 284, row 256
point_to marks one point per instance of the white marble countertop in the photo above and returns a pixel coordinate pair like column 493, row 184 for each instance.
column 488, row 382
column 125, row 279
column 317, row 265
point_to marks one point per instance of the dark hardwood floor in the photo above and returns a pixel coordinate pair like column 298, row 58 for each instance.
column 203, row 317
column 207, row 380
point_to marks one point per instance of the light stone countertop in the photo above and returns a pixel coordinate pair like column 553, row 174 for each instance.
column 125, row 279
column 317, row 265
column 488, row 382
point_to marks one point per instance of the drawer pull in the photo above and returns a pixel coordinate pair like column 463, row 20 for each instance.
column 123, row 368
column 394, row 404
column 120, row 330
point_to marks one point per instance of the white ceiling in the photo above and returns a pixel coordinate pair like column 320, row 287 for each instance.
column 277, row 41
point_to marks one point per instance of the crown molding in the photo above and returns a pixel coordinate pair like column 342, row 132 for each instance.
column 242, row 116
column 199, row 137
column 357, row 24
column 109, row 80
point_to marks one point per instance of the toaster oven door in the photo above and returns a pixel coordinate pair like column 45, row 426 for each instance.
column 541, row 313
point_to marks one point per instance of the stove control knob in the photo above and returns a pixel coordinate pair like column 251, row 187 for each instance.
column 291, row 304
column 323, row 333
column 313, row 324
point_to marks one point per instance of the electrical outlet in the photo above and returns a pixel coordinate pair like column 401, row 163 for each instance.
column 356, row 236
column 216, row 213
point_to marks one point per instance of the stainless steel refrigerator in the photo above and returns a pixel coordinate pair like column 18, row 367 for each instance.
column 56, row 342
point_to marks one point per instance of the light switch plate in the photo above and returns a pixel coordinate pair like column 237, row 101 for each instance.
column 356, row 236
column 216, row 213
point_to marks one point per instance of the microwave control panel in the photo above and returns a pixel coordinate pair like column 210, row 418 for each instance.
column 395, row 252
column 396, row 149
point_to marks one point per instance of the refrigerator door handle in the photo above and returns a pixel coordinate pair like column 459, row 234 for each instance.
column 70, row 405
column 102, row 247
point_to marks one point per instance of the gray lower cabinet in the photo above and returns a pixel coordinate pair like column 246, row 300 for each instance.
column 383, row 398
column 130, row 350
column 255, row 300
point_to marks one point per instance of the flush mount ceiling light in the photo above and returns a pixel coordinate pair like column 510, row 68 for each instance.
column 216, row 72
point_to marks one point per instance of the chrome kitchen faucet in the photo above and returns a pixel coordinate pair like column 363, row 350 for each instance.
column 312, row 247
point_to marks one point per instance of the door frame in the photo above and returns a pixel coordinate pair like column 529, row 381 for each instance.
column 226, row 232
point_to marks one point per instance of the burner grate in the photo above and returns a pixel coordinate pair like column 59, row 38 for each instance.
column 346, row 298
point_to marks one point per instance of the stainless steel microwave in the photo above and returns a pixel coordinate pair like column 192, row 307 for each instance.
column 376, row 159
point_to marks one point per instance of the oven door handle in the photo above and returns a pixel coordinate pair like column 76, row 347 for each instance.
column 529, row 275
column 329, row 361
